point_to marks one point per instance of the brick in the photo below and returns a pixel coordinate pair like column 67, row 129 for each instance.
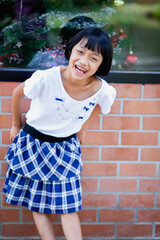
column 114, row 215
column 1, row 183
column 4, row 167
column 95, row 123
column 54, row 218
column 150, row 185
column 119, row 154
column 101, row 138
column 116, row 107
column 128, row 90
column 136, row 200
column 134, row 230
column 33, row 238
column 90, row 153
column 137, row 169
column 121, row 123
column 27, row 216
column 6, row 88
column 6, row 137
column 99, row 200
column 3, row 151
column 150, row 154
column 141, row 107
column 9, row 230
column 99, row 169
column 118, row 185
column 29, row 230
column 139, row 138
column 89, row 215
column 157, row 231
column 152, row 91
column 89, row 185
column 111, row 239
column 57, row 231
column 103, row 239
column 149, row 215
column 12, row 239
column 97, row 230
column 8, row 215
column 151, row 123
column 5, row 121
column 7, row 105
column 158, row 200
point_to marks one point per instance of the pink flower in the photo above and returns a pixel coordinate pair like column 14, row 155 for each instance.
column 19, row 44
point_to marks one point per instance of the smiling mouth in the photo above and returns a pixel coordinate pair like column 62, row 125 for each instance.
column 80, row 70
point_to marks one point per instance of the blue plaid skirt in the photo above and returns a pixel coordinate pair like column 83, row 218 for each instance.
column 44, row 176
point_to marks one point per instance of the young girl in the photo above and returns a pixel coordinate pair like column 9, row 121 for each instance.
column 45, row 158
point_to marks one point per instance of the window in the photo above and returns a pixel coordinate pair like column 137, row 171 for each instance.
column 33, row 33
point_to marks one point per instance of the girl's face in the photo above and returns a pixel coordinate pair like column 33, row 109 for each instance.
column 83, row 62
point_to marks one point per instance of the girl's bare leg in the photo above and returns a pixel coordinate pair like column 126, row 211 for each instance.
column 43, row 223
column 71, row 226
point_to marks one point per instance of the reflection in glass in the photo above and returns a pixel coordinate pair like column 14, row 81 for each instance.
column 33, row 34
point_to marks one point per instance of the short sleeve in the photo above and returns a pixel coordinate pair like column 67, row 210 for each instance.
column 107, row 98
column 33, row 85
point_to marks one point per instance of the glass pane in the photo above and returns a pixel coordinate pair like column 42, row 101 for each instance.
column 34, row 33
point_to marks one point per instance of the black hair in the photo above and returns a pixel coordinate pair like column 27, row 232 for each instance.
column 97, row 40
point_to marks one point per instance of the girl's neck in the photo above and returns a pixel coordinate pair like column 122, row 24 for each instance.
column 79, row 90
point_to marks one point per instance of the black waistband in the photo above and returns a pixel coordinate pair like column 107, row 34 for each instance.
column 44, row 137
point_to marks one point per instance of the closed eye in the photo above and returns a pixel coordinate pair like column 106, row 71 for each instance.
column 94, row 59
column 79, row 51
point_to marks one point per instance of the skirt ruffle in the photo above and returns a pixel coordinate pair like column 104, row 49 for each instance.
column 58, row 197
column 44, row 176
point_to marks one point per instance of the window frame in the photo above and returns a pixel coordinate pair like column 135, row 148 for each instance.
column 115, row 76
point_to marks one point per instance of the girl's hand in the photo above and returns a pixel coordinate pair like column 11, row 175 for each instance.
column 14, row 132
column 81, row 135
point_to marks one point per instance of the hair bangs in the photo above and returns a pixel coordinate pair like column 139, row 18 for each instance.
column 93, row 44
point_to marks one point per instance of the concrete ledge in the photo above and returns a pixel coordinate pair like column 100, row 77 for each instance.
column 115, row 76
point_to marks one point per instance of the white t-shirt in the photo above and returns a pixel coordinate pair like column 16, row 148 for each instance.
column 53, row 111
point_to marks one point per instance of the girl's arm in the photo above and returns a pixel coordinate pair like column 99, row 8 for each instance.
column 94, row 114
column 17, row 101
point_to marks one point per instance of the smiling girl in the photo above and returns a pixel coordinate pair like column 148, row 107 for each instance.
column 45, row 163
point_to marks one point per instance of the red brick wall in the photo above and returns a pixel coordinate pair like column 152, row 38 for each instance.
column 121, row 173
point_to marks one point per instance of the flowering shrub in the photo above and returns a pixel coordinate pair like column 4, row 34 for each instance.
column 25, row 42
